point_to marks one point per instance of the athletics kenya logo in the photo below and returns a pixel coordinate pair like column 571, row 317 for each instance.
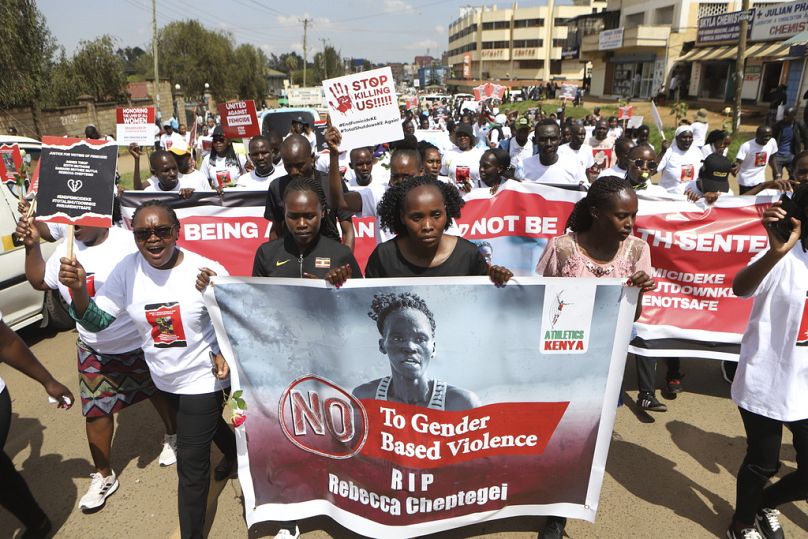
column 320, row 417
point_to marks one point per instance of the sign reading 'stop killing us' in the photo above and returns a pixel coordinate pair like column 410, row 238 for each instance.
column 77, row 181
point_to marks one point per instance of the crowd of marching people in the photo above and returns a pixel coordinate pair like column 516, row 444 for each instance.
column 144, row 332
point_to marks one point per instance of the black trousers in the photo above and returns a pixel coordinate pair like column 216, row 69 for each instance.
column 646, row 372
column 199, row 422
column 14, row 493
column 763, row 437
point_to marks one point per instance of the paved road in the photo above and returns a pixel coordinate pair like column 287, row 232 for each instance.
column 671, row 478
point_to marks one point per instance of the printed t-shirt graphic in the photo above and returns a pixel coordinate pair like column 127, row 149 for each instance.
column 761, row 158
column 166, row 322
column 688, row 171
column 802, row 333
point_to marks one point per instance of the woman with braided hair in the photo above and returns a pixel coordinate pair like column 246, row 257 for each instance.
column 599, row 244
column 419, row 210
column 407, row 329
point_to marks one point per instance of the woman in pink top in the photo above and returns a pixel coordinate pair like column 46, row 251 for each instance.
column 599, row 244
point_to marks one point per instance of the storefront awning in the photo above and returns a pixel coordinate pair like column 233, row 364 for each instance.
column 777, row 49
column 799, row 39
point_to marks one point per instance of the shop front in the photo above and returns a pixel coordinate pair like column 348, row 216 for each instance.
column 631, row 75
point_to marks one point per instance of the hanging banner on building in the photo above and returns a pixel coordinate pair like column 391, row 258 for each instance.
column 779, row 22
column 724, row 28
column 77, row 181
column 467, row 65
column 364, row 108
column 239, row 119
column 692, row 314
column 10, row 163
column 135, row 125
column 327, row 430
column 610, row 39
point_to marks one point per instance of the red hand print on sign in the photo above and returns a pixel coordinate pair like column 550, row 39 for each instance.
column 340, row 93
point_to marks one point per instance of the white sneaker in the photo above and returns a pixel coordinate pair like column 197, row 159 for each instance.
column 168, row 455
column 100, row 489
column 288, row 534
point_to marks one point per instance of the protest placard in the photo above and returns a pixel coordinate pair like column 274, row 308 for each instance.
column 329, row 432
column 568, row 91
column 10, row 162
column 634, row 122
column 625, row 112
column 135, row 125
column 364, row 108
column 657, row 119
column 77, row 181
column 239, row 119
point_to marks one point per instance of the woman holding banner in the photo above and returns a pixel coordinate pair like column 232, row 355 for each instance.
column 599, row 244
column 155, row 286
column 770, row 386
column 113, row 373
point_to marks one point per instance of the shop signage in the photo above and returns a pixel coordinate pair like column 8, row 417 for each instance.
column 495, row 54
column 779, row 22
column 724, row 27
column 524, row 53
column 610, row 39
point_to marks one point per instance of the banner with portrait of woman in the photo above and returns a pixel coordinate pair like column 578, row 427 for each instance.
column 422, row 405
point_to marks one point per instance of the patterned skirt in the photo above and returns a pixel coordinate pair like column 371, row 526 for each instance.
column 109, row 383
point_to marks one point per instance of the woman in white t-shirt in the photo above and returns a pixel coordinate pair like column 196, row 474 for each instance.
column 222, row 166
column 156, row 288
column 681, row 162
column 771, row 383
column 113, row 374
column 15, row 496
column 462, row 163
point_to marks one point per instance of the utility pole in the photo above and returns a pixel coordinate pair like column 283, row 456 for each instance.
column 325, row 61
column 739, row 64
column 154, row 53
column 305, row 46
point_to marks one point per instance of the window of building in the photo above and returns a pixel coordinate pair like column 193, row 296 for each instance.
column 559, row 22
column 635, row 19
column 710, row 9
column 664, row 15
column 555, row 67
column 559, row 42
column 528, row 23
column 502, row 25
column 495, row 45
column 488, row 26
column 531, row 64
column 527, row 43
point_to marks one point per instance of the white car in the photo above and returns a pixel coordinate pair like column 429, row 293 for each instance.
column 20, row 304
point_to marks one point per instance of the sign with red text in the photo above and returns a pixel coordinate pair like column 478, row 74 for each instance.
column 364, row 108
column 779, row 22
column 239, row 119
column 135, row 125
column 695, row 250
column 76, row 181
column 10, row 163
column 402, row 424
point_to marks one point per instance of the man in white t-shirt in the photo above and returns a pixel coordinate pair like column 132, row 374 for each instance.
column 622, row 146
column 699, row 127
column 188, row 175
column 752, row 158
column 166, row 177
column 548, row 166
column 261, row 154
column 579, row 149
column 169, row 137
column 520, row 146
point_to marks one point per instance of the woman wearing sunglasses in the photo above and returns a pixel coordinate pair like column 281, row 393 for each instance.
column 222, row 166
column 642, row 165
column 156, row 288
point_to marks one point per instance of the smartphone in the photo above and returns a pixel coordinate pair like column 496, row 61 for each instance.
column 782, row 228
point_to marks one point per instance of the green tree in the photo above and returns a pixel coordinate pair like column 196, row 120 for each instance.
column 99, row 70
column 63, row 86
column 327, row 64
column 248, row 72
column 26, row 52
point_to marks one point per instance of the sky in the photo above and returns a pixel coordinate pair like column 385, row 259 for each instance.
column 378, row 30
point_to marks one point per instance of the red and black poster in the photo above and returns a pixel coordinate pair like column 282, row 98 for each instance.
column 239, row 119
column 77, row 181
column 10, row 163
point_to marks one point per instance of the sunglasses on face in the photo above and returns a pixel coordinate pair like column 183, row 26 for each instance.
column 162, row 232
column 218, row 139
column 640, row 162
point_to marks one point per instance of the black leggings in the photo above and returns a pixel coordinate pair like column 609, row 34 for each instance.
column 763, row 438
column 199, row 422
column 14, row 493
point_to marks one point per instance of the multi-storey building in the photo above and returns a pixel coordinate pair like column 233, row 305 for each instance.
column 516, row 45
